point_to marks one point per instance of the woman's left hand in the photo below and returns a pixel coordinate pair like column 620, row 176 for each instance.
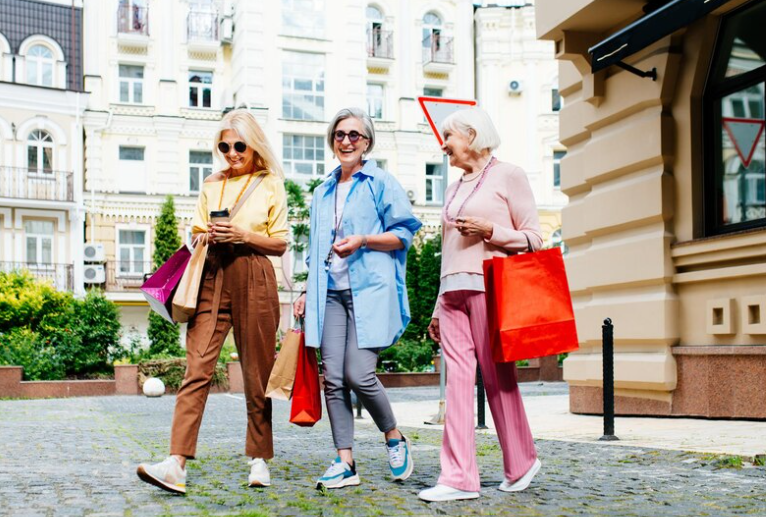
column 347, row 246
column 227, row 233
column 474, row 226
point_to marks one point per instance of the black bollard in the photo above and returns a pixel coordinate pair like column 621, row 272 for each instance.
column 607, row 335
column 480, row 398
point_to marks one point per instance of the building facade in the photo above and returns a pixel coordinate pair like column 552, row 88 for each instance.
column 666, row 221
column 41, row 111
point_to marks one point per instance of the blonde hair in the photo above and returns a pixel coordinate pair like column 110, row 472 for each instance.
column 477, row 120
column 248, row 129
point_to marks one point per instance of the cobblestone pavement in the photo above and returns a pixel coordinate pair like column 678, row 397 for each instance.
column 78, row 457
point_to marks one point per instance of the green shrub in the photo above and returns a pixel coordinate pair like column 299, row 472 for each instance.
column 171, row 372
column 25, row 301
column 24, row 347
column 408, row 355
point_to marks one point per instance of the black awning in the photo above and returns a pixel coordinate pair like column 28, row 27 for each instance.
column 667, row 19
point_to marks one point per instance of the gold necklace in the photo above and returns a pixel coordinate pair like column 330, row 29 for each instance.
column 223, row 186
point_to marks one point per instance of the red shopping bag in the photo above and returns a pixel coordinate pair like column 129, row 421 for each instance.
column 529, row 308
column 306, row 409
column 160, row 288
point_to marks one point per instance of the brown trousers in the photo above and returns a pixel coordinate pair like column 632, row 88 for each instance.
column 239, row 289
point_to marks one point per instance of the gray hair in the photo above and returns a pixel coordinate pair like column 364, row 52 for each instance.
column 477, row 120
column 361, row 115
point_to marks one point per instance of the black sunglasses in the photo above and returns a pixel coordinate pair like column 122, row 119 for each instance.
column 240, row 147
column 353, row 136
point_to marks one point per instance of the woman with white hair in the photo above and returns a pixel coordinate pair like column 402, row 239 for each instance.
column 239, row 290
column 356, row 299
column 490, row 211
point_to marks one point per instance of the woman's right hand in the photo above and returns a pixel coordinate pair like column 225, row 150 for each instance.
column 299, row 308
column 433, row 330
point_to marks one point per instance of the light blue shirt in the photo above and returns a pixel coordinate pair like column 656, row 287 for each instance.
column 376, row 204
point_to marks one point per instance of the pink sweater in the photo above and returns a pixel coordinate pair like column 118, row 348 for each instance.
column 506, row 200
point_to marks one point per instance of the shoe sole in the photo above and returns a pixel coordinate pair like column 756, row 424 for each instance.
column 352, row 481
column 532, row 473
column 452, row 498
column 148, row 478
column 410, row 464
column 256, row 484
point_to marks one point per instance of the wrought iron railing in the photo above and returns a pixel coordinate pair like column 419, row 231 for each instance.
column 133, row 19
column 126, row 276
column 380, row 43
column 45, row 185
column 202, row 26
column 60, row 275
column 437, row 49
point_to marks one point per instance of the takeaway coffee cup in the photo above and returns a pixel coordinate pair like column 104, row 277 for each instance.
column 219, row 216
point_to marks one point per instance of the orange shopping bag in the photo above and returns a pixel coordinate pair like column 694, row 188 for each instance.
column 529, row 308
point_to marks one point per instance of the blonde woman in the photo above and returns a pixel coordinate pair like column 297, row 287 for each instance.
column 239, row 290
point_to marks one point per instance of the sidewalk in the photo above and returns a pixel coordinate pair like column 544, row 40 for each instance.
column 550, row 419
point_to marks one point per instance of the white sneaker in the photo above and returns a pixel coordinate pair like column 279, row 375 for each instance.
column 168, row 475
column 445, row 493
column 523, row 482
column 259, row 473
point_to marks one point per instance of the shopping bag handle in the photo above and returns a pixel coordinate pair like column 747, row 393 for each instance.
column 529, row 243
column 302, row 322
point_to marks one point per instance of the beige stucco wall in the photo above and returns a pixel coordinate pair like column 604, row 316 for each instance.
column 633, row 175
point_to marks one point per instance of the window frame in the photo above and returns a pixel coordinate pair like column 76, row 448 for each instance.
column 435, row 181
column 41, row 144
column 39, row 238
column 557, row 156
column 317, row 91
column 132, row 271
column 714, row 93
column 37, row 64
column 201, row 87
column 199, row 167
column 318, row 27
column 316, row 164
column 131, row 82
column 382, row 100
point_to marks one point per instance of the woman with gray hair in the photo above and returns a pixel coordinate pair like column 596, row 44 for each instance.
column 355, row 303
column 490, row 211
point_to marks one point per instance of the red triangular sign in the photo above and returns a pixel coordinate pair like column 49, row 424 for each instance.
column 744, row 134
column 437, row 109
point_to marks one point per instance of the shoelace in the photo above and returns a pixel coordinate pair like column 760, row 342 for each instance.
column 395, row 454
column 335, row 469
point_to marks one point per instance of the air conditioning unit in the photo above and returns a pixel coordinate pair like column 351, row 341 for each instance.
column 94, row 274
column 411, row 195
column 227, row 29
column 94, row 252
column 515, row 87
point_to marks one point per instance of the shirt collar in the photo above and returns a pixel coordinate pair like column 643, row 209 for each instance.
column 369, row 168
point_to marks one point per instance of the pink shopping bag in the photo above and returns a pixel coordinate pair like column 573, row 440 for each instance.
column 161, row 286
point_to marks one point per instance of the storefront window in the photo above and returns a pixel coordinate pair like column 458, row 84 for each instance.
column 735, row 95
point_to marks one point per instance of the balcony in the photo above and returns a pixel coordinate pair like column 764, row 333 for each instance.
column 60, row 275
column 380, row 49
column 126, row 276
column 438, row 57
column 42, row 185
column 133, row 25
column 202, row 32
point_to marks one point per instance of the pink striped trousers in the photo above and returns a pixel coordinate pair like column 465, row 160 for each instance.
column 464, row 336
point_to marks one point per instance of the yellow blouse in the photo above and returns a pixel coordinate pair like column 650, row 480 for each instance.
column 264, row 212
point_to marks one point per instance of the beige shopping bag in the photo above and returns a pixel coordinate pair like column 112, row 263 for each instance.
column 283, row 374
column 185, row 299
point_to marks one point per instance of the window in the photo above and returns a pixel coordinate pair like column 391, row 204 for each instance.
column 132, row 153
column 555, row 100
column 303, row 18
column 432, row 28
column 375, row 100
column 303, row 86
column 434, row 180
column 133, row 17
column 200, row 88
column 40, row 66
column 433, row 92
column 132, row 84
column 200, row 167
column 735, row 94
column 558, row 242
column 39, row 240
column 39, row 151
column 303, row 155
column 557, row 156
column 379, row 42
column 132, row 253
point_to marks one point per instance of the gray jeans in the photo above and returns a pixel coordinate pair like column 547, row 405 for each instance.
column 346, row 368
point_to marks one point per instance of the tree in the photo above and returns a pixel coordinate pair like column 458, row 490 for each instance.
column 298, row 213
column 165, row 337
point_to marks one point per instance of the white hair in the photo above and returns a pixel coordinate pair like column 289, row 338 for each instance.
column 360, row 115
column 474, row 120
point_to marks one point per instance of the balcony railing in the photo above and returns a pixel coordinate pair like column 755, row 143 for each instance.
column 437, row 49
column 60, row 275
column 45, row 185
column 126, row 276
column 133, row 19
column 202, row 26
column 380, row 43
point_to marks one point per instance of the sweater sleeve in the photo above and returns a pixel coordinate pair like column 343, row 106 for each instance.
column 525, row 223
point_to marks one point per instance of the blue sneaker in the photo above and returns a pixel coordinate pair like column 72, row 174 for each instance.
column 339, row 474
column 399, row 458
